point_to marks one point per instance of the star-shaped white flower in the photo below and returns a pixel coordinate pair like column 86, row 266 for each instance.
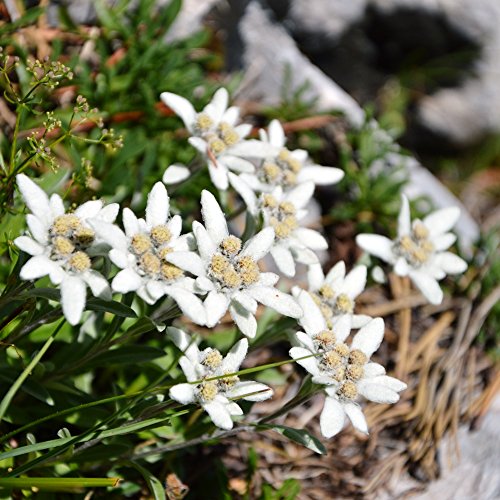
column 346, row 372
column 419, row 250
column 140, row 252
column 214, row 396
column 283, row 210
column 336, row 292
column 62, row 245
column 229, row 272
column 216, row 135
column 287, row 168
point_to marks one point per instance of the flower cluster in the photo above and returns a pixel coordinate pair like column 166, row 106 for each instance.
column 210, row 272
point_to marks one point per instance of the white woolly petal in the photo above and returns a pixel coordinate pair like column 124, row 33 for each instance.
column 56, row 205
column 301, row 194
column 450, row 263
column 28, row 245
column 199, row 144
column 246, row 390
column 343, row 327
column 305, row 340
column 380, row 246
column 304, row 255
column 332, row 417
column 126, row 281
column 234, row 409
column 377, row 393
column 216, row 305
column 246, row 301
column 244, row 190
column 336, row 273
column 401, row 267
column 259, row 245
column 276, row 134
column 185, row 343
column 268, row 279
column 181, row 107
column 428, row 286
column 441, row 221
column 219, row 104
column 312, row 321
column 373, row 370
column 218, row 175
column 244, row 319
column 443, row 241
column 360, row 320
column 203, row 285
column 321, row 176
column 130, row 222
column 309, row 363
column 219, row 414
column 98, row 284
column 155, row 289
column 175, row 173
column 73, row 297
column 89, row 209
column 206, row 246
column 354, row 282
column 158, row 205
column 310, row 238
column 36, row 267
column 189, row 261
column 213, row 217
column 355, row 414
column 109, row 213
column 315, row 276
column 35, row 198
column 189, row 304
column 238, row 164
column 38, row 229
column 182, row 393
column 253, row 149
column 369, row 338
column 283, row 259
column 231, row 115
column 110, row 234
column 235, row 356
column 390, row 382
column 175, row 226
column 404, row 221
column 279, row 301
column 119, row 258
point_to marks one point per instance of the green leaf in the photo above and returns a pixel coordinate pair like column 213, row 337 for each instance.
column 111, row 306
column 133, row 354
column 299, row 436
column 154, row 484
column 57, row 483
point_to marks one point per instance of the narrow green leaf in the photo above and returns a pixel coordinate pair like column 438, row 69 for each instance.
column 299, row 436
column 111, row 306
column 58, row 483
column 154, row 484
column 133, row 354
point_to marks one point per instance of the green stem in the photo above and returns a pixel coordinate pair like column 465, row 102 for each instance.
column 14, row 139
column 27, row 371
column 59, row 483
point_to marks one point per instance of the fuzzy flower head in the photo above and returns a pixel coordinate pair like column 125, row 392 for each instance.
column 214, row 395
column 216, row 135
column 419, row 250
column 62, row 246
column 282, row 211
column 228, row 270
column 141, row 254
column 287, row 168
column 335, row 294
column 346, row 371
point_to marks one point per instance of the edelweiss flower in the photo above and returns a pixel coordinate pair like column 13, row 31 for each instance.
column 287, row 168
column 282, row 211
column 346, row 371
column 214, row 396
column 419, row 250
column 140, row 252
column 335, row 294
column 228, row 271
column 216, row 136
column 62, row 245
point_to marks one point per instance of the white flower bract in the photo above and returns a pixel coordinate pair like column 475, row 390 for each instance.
column 228, row 271
column 62, row 245
column 419, row 251
column 216, row 135
column 346, row 371
column 141, row 254
column 214, row 395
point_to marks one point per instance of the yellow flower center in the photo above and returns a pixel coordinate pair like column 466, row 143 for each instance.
column 348, row 390
column 355, row 372
column 62, row 245
column 208, row 390
column 327, row 292
column 231, row 245
column 84, row 235
column 213, row 359
column 140, row 243
column 65, row 223
column 357, row 357
column 170, row 272
column 150, row 263
column 79, row 261
column 342, row 349
column 332, row 359
column 160, row 234
column 415, row 247
column 326, row 338
column 203, row 122
column 344, row 304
